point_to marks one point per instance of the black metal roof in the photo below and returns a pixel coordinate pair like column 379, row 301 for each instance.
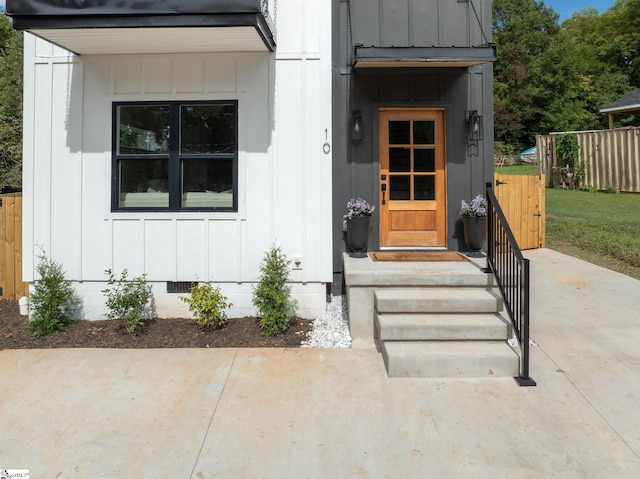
column 423, row 56
column 48, row 15
column 25, row 8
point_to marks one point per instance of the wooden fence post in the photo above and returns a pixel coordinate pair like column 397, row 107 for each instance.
column 11, row 285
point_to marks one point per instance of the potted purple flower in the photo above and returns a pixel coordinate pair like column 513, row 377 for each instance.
column 474, row 221
column 358, row 218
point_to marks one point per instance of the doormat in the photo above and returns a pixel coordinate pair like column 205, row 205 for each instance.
column 425, row 256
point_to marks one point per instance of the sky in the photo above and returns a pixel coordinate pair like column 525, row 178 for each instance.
column 566, row 8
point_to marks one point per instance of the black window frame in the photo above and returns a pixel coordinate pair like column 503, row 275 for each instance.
column 174, row 158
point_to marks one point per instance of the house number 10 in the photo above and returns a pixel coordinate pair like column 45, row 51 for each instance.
column 326, row 147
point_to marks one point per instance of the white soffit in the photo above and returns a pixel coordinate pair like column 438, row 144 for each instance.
column 110, row 41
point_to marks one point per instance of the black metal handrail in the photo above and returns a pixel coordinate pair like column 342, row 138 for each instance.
column 511, row 270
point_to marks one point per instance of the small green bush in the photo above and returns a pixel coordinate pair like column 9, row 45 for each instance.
column 126, row 299
column 567, row 150
column 53, row 301
column 588, row 188
column 272, row 297
column 208, row 305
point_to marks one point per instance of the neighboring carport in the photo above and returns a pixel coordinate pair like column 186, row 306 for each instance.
column 627, row 105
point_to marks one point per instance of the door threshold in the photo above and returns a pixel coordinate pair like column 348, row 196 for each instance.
column 413, row 248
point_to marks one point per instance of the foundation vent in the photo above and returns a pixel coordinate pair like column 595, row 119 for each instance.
column 179, row 286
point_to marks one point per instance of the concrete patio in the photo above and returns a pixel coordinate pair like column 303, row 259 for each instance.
column 319, row 413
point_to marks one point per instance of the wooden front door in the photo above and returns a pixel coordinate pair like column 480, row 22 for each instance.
column 412, row 177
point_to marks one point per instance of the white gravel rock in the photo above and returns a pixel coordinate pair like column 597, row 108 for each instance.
column 332, row 329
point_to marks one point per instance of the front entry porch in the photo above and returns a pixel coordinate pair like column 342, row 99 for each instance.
column 430, row 319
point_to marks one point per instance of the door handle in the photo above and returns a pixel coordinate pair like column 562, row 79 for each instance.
column 383, row 188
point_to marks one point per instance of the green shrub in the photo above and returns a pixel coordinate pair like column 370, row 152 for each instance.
column 588, row 188
column 208, row 305
column 567, row 150
column 53, row 301
column 126, row 299
column 272, row 297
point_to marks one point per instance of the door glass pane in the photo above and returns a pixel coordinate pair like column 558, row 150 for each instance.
column 400, row 187
column 424, row 160
column 144, row 183
column 425, row 187
column 206, row 129
column 207, row 183
column 399, row 132
column 143, row 129
column 423, row 132
column 399, row 159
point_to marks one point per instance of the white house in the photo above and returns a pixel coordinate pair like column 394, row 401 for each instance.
column 179, row 140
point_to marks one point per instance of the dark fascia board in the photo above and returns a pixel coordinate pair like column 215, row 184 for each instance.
column 424, row 56
column 37, row 15
column 129, row 7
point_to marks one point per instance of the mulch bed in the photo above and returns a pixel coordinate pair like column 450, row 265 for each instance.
column 156, row 333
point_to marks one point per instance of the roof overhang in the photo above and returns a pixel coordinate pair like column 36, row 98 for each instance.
column 622, row 109
column 435, row 57
column 146, row 26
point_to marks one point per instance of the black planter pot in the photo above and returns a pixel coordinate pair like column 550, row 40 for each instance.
column 475, row 232
column 358, row 236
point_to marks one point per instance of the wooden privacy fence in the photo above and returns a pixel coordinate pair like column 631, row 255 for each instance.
column 11, row 284
column 611, row 158
column 523, row 202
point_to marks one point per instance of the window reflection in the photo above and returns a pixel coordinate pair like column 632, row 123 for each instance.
column 423, row 132
column 143, row 129
column 399, row 132
column 424, row 160
column 399, row 159
column 207, row 129
column 424, row 187
column 400, row 187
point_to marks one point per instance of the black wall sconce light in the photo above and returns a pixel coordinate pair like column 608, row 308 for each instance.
column 474, row 127
column 356, row 125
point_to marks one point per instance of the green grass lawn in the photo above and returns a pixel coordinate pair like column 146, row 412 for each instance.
column 601, row 228
column 523, row 169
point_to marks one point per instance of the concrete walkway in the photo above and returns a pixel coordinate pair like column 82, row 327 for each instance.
column 305, row 413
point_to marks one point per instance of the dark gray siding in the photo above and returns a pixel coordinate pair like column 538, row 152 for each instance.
column 445, row 23
column 401, row 23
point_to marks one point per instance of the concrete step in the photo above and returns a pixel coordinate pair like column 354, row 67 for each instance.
column 370, row 274
column 450, row 359
column 442, row 327
column 436, row 300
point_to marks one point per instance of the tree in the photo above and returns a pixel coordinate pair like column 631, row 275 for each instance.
column 601, row 79
column 523, row 31
column 551, row 77
column 622, row 37
column 11, row 84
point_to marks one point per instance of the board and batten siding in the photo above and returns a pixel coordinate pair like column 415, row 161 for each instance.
column 420, row 22
column 284, row 175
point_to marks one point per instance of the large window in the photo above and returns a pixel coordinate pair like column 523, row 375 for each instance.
column 175, row 156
